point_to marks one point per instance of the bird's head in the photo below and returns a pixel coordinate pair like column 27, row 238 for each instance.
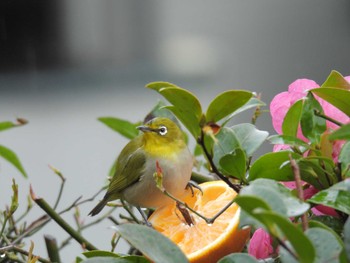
column 162, row 134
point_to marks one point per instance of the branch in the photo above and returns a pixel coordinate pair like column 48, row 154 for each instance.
column 59, row 220
column 327, row 118
column 213, row 166
column 52, row 248
column 22, row 251
column 299, row 187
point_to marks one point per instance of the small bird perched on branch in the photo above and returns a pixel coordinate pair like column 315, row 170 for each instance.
column 161, row 142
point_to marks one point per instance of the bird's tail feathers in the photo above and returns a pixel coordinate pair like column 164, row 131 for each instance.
column 98, row 208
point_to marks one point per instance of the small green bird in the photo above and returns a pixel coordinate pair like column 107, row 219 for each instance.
column 162, row 141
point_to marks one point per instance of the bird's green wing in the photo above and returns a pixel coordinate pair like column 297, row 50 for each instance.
column 129, row 167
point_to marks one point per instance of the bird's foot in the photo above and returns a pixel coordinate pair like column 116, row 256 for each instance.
column 193, row 184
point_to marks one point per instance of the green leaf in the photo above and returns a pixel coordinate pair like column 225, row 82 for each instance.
column 336, row 80
column 151, row 243
column 288, row 140
column 328, row 246
column 252, row 103
column 337, row 197
column 178, row 97
column 316, row 171
column 234, row 164
column 127, row 259
column 249, row 137
column 347, row 237
column 238, row 258
column 6, row 125
column 226, row 142
column 100, row 253
column 160, row 110
column 278, row 225
column 287, row 230
column 312, row 126
column 344, row 159
column 226, row 103
column 124, row 127
column 279, row 198
column 329, row 223
column 273, row 166
column 338, row 97
column 12, row 158
column 188, row 120
column 291, row 120
column 343, row 133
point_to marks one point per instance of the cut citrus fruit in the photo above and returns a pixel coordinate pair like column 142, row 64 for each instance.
column 202, row 242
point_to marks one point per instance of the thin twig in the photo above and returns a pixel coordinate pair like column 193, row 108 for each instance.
column 213, row 166
column 59, row 220
column 321, row 115
column 206, row 219
column 299, row 187
column 282, row 244
column 21, row 251
column 126, row 207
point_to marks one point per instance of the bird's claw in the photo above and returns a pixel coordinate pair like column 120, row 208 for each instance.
column 193, row 184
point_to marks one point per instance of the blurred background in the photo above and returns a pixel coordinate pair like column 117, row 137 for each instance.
column 65, row 63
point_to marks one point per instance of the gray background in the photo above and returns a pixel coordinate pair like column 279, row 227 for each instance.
column 66, row 63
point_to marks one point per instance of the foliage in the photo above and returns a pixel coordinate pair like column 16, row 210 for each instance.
column 296, row 198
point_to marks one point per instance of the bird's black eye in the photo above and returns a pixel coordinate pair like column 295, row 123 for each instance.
column 162, row 130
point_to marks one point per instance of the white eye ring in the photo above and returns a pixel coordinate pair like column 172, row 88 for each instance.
column 162, row 130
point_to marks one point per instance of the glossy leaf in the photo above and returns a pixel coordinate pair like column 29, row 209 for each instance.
column 178, row 97
column 314, row 171
column 343, row 133
column 250, row 204
column 328, row 247
column 160, row 110
column 336, row 80
column 337, row 197
column 151, row 243
column 188, row 120
column 347, row 238
column 329, row 223
column 338, row 97
column 287, row 230
column 292, row 119
column 238, row 258
column 288, row 140
column 234, row 164
column 344, row 159
column 279, row 198
column 252, row 103
column 226, row 103
column 312, row 126
column 249, row 137
column 278, row 225
column 123, row 127
column 285, row 255
column 12, row 158
column 274, row 166
column 225, row 143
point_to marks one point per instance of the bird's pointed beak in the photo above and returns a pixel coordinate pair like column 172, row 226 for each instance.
column 145, row 128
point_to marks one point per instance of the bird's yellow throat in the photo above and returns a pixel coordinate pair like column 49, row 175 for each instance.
column 162, row 147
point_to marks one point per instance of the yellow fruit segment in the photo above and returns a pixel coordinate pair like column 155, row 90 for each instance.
column 202, row 242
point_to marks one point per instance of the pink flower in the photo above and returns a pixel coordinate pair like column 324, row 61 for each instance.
column 260, row 245
column 281, row 103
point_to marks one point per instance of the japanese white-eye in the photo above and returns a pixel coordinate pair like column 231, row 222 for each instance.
column 162, row 142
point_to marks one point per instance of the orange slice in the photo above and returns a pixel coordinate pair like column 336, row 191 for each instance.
column 202, row 242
